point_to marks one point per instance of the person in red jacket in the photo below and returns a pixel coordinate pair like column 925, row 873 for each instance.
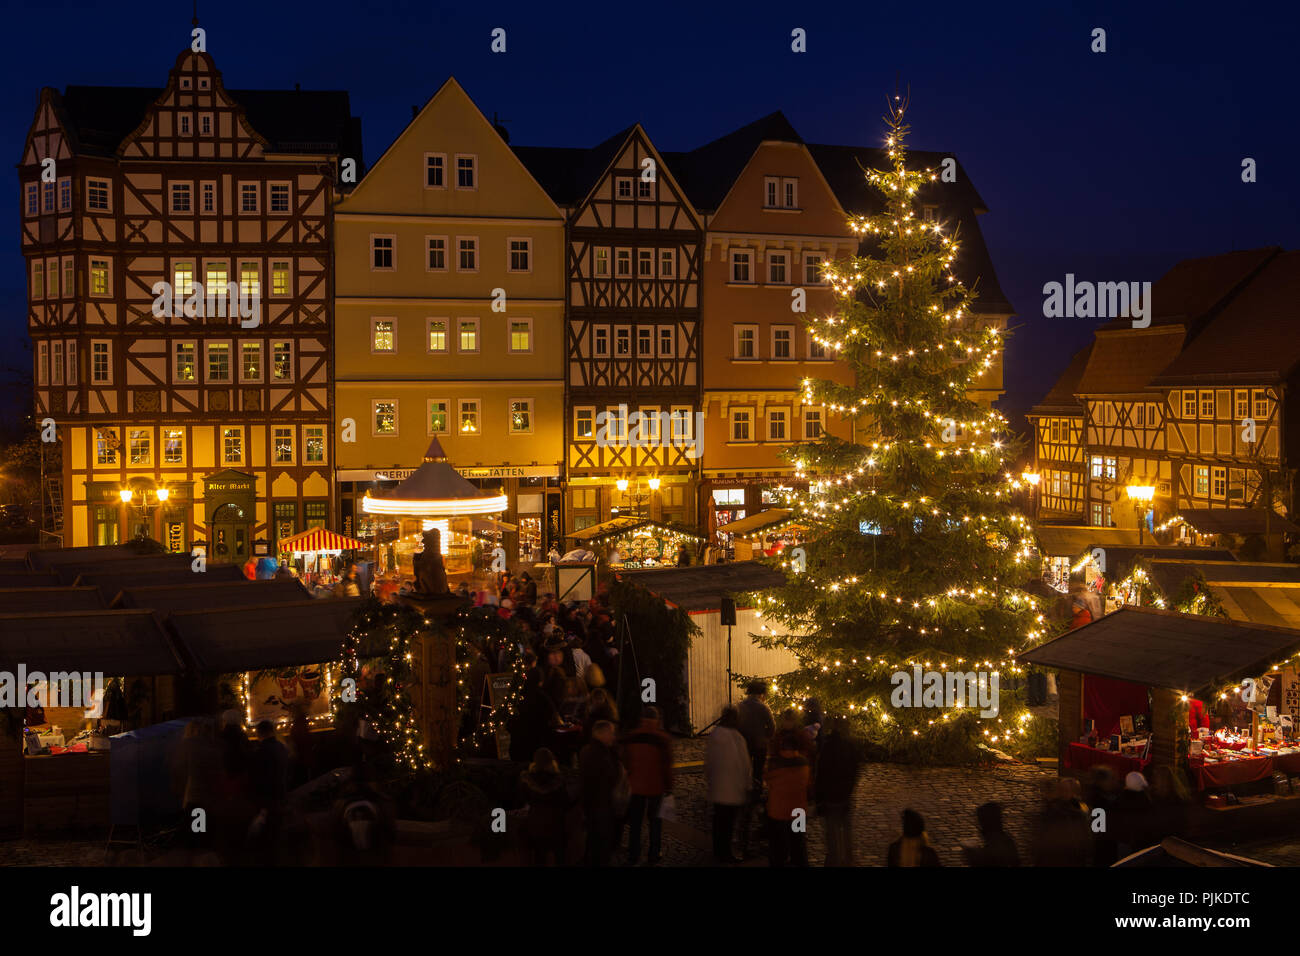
column 648, row 757
column 789, row 795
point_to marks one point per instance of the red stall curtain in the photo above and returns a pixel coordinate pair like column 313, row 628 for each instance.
column 1106, row 700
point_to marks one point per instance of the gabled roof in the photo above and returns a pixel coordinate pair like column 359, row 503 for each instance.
column 112, row 642
column 959, row 204
column 708, row 172
column 229, row 639
column 1123, row 362
column 292, row 121
column 1255, row 337
column 568, row 174
column 1060, row 398
column 701, row 588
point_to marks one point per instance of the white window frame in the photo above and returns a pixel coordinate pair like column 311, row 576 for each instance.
column 510, row 335
column 735, row 257
column 246, row 190
column 308, row 433
column 374, row 236
column 474, row 240
column 668, row 263
column 271, row 368
column 820, row 413
column 94, row 186
column 275, row 445
column 1190, row 406
column 162, row 445
column 1218, row 477
column 270, row 193
column 1241, row 403
column 261, row 361
column 374, row 323
column 666, row 340
column 194, row 361
column 735, row 416
column 288, row 277
column 771, row 192
column 510, row 254
column 786, row 423
column 621, row 257
column 478, row 335
column 374, row 418
column 736, row 329
column 784, row 256
column 510, row 416
column 473, row 168
column 65, row 193
column 623, row 333
column 428, row 416
column 172, row 190
column 813, row 277
column 243, row 446
column 1261, row 404
column 461, row 405
column 146, row 436
column 108, row 365
column 589, row 413
column 596, row 262
column 205, row 187
column 792, row 353
column 43, row 363
column 645, row 341
column 645, row 263
column 596, row 336
column 619, row 183
column 789, row 192
column 108, row 279
column 682, row 423
column 440, row 156
column 32, row 200
column 231, row 358
column 428, row 249
column 428, row 335
column 1205, row 397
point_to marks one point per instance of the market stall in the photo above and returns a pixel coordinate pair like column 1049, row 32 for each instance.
column 634, row 542
column 1213, row 698
column 762, row 535
column 314, row 552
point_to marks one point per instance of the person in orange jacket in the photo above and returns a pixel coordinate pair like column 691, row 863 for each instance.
column 789, row 796
column 648, row 757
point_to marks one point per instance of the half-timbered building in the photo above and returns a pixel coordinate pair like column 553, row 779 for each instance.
column 633, row 264
column 1057, row 423
column 182, row 417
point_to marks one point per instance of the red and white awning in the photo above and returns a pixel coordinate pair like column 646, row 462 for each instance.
column 321, row 539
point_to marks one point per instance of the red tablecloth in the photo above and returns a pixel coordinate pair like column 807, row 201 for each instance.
column 1242, row 770
column 1081, row 757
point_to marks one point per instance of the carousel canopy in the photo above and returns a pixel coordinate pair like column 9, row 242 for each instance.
column 757, row 522
column 319, row 539
column 435, row 490
column 626, row 525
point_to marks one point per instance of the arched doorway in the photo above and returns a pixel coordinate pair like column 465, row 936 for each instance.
column 231, row 531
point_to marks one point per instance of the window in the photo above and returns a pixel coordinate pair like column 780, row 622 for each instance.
column 1096, row 466
column 647, row 430
column 600, row 341
column 436, row 247
column 52, row 278
column 205, row 124
column 1110, row 469
column 279, row 197
column 666, row 340
column 645, row 263
column 173, row 446
column 812, row 424
column 106, row 446
column 282, row 361
column 384, row 417
column 99, row 277
column 741, row 260
column 72, row 363
column 280, row 277
column 623, row 263
column 467, row 172
column 218, row 361
column 248, row 197
column 1202, row 481
column 777, row 267
column 286, row 519
column 602, row 263
column 644, row 189
column 467, row 254
column 746, row 342
column 437, row 335
column 645, row 341
column 468, row 423
column 216, row 279
column 316, row 514
column 623, row 187
column 1219, row 482
column 1207, row 403
column 667, row 263
column 790, row 193
column 97, row 195
column 467, row 335
column 1262, row 404
column 250, row 361
column 1152, row 420
column 1240, row 404
column 250, row 281
column 232, row 446
column 615, row 424
column 816, row 349
column 783, row 341
column 33, row 199
column 181, row 197
column 622, row 342
column 521, row 255
column 383, row 335
column 184, row 365
column 584, row 422
column 38, row 280
column 1101, row 515
column 1139, row 415
column 437, row 416
column 930, row 213
column 283, row 443
column 209, row 198
column 435, row 170
column 1056, row 429
column 771, row 191
column 56, row 363
column 315, row 438
column 521, row 335
column 812, row 268
column 683, row 423
column 183, row 279
column 138, row 447
column 1189, row 404
column 185, row 124
column 65, row 194
column 100, row 370
column 777, row 424
column 382, row 252
column 521, row 416
column 42, row 363
column 742, row 421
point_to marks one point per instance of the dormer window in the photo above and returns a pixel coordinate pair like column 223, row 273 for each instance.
column 771, row 191
column 185, row 82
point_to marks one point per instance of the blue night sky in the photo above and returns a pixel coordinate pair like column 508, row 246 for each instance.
column 1111, row 166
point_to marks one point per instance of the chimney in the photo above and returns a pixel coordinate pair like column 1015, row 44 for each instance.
column 415, row 111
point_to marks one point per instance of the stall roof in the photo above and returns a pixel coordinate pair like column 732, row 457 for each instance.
column 229, row 639
column 617, row 525
column 1237, row 521
column 112, row 642
column 28, row 600
column 41, row 559
column 1184, row 652
column 69, row 572
column 111, row 583
column 28, row 579
column 321, row 539
column 169, row 598
column 701, row 588
column 754, row 522
column 1073, row 540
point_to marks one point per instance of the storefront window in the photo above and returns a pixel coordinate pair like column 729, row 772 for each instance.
column 106, row 528
column 286, row 519
column 317, row 513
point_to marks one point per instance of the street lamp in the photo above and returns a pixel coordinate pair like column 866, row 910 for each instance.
column 1141, row 496
column 144, row 505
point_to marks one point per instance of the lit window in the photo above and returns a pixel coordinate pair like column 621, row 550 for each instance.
column 315, row 443
column 251, row 361
column 173, row 440
column 99, row 284
column 437, row 417
column 283, row 438
column 469, row 423
column 584, row 422
column 106, row 446
column 1202, row 481
column 185, row 370
column 282, row 361
column 138, row 447
column 280, row 278
column 437, row 335
column 218, row 361
column 467, row 335
column 217, row 278
column 232, row 446
column 521, row 416
column 382, row 335
column 521, row 335
column 602, row 263
column 183, row 279
column 385, row 417
column 250, row 280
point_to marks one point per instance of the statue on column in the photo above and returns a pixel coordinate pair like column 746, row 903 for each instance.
column 430, row 573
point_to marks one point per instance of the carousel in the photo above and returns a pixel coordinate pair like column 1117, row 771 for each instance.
column 434, row 496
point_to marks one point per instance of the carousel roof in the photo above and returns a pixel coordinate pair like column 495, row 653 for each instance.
column 435, row 489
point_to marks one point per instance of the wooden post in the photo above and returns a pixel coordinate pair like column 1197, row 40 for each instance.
column 1069, row 687
column 1167, row 710
column 11, row 771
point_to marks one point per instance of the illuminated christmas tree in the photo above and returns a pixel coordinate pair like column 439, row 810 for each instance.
column 917, row 548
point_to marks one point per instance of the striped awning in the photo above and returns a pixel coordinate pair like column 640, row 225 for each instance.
column 321, row 539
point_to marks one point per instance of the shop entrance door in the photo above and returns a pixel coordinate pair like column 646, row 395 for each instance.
column 231, row 532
